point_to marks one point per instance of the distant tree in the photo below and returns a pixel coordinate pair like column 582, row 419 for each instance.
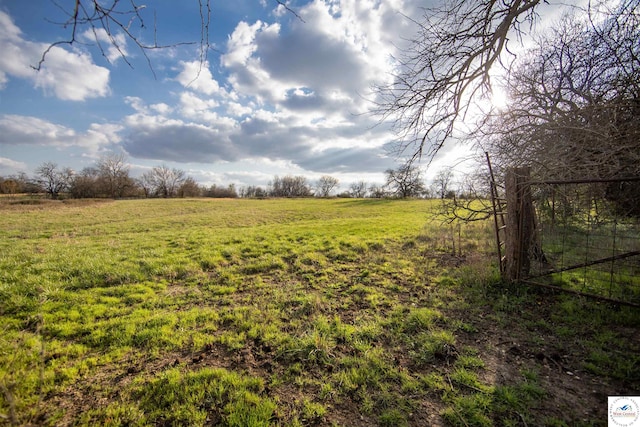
column 253, row 191
column 441, row 184
column 219, row 191
column 190, row 188
column 114, row 176
column 9, row 186
column 53, row 180
column 325, row 185
column 162, row 181
column 85, row 184
column 405, row 181
column 290, row 186
column 358, row 189
column 377, row 191
column 27, row 185
column 146, row 184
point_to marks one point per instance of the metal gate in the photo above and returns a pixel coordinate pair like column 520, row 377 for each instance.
column 576, row 236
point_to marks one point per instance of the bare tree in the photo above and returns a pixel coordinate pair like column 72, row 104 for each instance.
column 575, row 101
column 85, row 184
column 471, row 201
column 189, row 188
column 358, row 189
column 377, row 191
column 114, row 174
column 460, row 43
column 219, row 191
column 325, row 185
column 442, row 183
column 447, row 65
column 253, row 191
column 162, row 181
column 52, row 179
column 147, row 183
column 19, row 183
column 290, row 186
column 405, row 181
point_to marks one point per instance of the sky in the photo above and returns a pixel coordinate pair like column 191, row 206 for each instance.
column 279, row 93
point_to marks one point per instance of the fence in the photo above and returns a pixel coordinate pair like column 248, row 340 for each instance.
column 578, row 236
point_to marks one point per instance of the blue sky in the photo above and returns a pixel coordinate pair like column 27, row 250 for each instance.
column 277, row 95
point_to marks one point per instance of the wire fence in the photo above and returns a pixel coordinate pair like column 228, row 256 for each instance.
column 588, row 236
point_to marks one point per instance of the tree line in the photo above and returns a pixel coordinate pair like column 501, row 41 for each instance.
column 110, row 177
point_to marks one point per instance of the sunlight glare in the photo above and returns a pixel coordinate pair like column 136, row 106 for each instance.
column 499, row 98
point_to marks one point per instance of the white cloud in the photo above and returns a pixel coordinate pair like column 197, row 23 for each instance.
column 290, row 94
column 280, row 10
column 296, row 97
column 113, row 46
column 240, row 45
column 69, row 75
column 193, row 107
column 12, row 165
column 178, row 141
column 72, row 76
column 15, row 130
column 102, row 135
column 27, row 130
column 10, row 30
column 197, row 76
column 161, row 108
column 340, row 51
column 136, row 103
column 237, row 110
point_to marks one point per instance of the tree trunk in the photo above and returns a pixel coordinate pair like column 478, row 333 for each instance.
column 520, row 221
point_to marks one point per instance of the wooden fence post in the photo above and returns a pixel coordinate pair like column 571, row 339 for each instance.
column 520, row 223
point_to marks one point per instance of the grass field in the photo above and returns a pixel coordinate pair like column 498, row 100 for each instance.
column 288, row 312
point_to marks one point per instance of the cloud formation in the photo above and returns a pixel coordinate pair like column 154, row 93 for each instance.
column 285, row 95
column 34, row 131
column 68, row 75
column 112, row 46
column 294, row 93
column 12, row 165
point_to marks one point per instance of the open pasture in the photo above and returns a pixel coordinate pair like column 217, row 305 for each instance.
column 288, row 312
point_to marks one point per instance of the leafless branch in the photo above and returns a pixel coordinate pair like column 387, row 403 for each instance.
column 288, row 9
column 112, row 17
column 575, row 101
column 449, row 63
column 118, row 16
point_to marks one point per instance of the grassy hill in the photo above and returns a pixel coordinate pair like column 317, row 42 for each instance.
column 288, row 312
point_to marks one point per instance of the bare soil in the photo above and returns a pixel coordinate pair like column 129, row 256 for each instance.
column 573, row 394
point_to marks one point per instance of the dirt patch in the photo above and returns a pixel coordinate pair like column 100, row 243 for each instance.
column 572, row 394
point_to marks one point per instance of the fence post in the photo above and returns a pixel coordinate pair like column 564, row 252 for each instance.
column 520, row 222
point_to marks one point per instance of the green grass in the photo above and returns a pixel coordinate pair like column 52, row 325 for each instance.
column 266, row 312
column 573, row 243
